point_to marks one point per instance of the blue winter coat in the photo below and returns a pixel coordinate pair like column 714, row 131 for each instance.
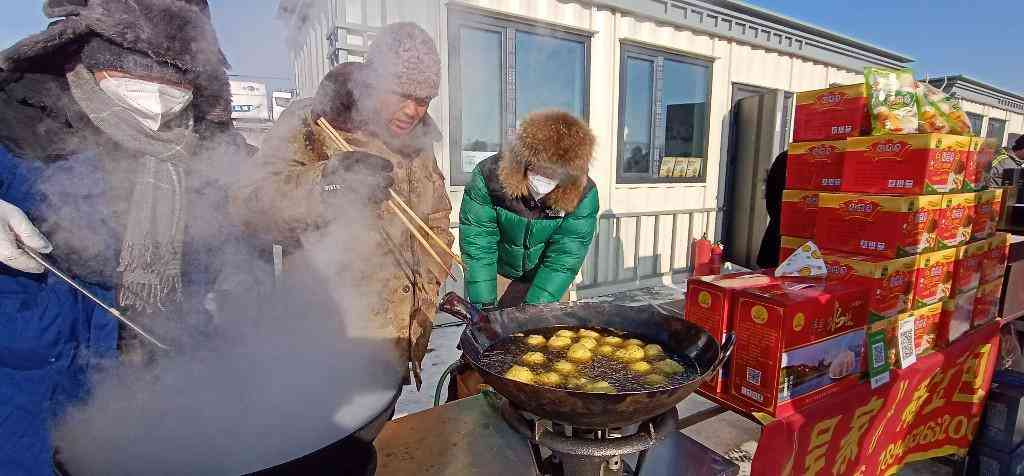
column 50, row 338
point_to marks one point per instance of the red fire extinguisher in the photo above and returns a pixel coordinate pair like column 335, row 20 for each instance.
column 716, row 258
column 702, row 256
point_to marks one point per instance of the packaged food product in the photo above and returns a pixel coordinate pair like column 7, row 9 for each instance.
column 926, row 328
column 987, row 149
column 986, row 302
column 831, row 114
column 993, row 265
column 989, row 204
column 799, row 213
column 956, row 317
column 815, row 165
column 934, row 278
column 889, row 281
column 710, row 301
column 789, row 245
column 893, row 101
column 967, row 271
column 972, row 172
column 956, row 219
column 938, row 112
column 877, row 225
column 797, row 343
column 914, row 164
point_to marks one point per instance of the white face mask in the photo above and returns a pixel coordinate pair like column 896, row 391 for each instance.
column 153, row 104
column 539, row 185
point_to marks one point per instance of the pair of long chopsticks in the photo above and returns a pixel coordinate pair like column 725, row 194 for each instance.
column 398, row 209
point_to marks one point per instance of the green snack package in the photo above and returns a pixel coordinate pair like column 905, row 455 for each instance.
column 893, row 101
column 940, row 113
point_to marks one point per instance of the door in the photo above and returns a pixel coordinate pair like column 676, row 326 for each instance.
column 757, row 137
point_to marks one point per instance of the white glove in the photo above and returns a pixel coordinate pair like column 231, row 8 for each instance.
column 16, row 230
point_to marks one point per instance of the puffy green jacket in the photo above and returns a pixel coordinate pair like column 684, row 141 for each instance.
column 521, row 239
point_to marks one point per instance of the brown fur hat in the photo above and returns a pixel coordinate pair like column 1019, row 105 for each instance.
column 553, row 140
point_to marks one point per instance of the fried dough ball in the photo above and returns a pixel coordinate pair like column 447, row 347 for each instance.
column 533, row 359
column 574, row 382
column 605, row 350
column 590, row 342
column 579, row 353
column 636, row 342
column 669, row 367
column 641, row 368
column 536, row 341
column 559, row 342
column 612, row 341
column 519, row 374
column 600, row 387
column 589, row 333
column 564, row 367
column 629, row 354
column 549, row 379
column 653, row 352
column 655, row 380
column 566, row 333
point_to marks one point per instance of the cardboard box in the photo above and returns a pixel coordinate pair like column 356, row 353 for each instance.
column 934, row 278
column 831, row 114
column 993, row 265
column 797, row 343
column 957, row 316
column 967, row 270
column 988, row 208
column 1002, row 426
column 889, row 282
column 877, row 225
column 927, row 321
column 956, row 220
column 972, row 173
column 906, row 164
column 710, row 301
column 799, row 213
column 983, row 460
column 986, row 302
column 926, row 328
column 815, row 165
column 789, row 246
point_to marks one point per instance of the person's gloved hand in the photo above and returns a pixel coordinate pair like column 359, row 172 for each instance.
column 16, row 231
column 357, row 176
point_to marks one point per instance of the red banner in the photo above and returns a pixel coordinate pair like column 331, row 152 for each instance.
column 931, row 409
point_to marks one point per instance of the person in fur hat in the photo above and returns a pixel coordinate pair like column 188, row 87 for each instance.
column 527, row 220
column 103, row 116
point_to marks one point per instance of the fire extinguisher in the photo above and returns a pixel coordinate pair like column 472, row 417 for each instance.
column 702, row 256
column 716, row 258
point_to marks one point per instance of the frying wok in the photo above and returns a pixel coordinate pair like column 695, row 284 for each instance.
column 582, row 409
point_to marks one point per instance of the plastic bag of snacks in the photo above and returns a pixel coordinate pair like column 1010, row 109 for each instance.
column 893, row 96
column 940, row 113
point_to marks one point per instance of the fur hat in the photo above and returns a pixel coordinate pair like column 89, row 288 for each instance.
column 1018, row 144
column 335, row 98
column 404, row 57
column 553, row 140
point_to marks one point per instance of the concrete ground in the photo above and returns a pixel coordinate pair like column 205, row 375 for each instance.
column 728, row 434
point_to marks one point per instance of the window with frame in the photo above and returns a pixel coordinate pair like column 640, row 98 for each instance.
column 977, row 122
column 663, row 116
column 996, row 130
column 502, row 70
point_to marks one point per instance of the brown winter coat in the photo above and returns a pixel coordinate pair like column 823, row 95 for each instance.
column 288, row 204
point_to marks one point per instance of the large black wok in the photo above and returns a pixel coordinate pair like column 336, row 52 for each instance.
column 582, row 409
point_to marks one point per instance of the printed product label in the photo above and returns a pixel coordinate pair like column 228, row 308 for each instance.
column 934, row 278
column 830, row 114
column 815, row 166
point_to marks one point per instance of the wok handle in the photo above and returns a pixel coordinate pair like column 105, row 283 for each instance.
column 725, row 350
column 458, row 306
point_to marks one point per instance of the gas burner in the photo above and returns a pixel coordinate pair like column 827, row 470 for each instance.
column 561, row 450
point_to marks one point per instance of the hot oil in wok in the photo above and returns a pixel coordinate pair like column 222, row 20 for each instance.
column 507, row 352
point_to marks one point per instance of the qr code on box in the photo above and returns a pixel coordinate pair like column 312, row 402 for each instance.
column 753, row 376
column 907, row 346
column 877, row 354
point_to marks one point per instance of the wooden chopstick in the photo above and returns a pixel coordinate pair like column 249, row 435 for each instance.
column 397, row 199
column 423, row 241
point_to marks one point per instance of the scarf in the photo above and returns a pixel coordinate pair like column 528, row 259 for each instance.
column 151, row 253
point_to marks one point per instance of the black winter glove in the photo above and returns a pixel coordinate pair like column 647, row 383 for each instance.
column 356, row 177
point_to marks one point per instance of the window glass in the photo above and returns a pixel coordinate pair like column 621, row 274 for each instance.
column 996, row 130
column 549, row 74
column 639, row 93
column 685, row 97
column 480, row 70
column 977, row 122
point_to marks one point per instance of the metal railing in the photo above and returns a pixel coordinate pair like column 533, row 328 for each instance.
column 600, row 248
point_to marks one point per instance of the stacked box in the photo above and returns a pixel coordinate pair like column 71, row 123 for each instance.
column 989, row 204
column 986, row 302
column 993, row 264
column 926, row 328
column 877, row 225
column 789, row 246
column 889, row 282
column 934, row 278
column 831, row 114
column 815, row 165
column 799, row 213
column 955, row 220
column 927, row 333
column 973, row 176
column 967, row 272
column 797, row 343
column 957, row 317
column 906, row 164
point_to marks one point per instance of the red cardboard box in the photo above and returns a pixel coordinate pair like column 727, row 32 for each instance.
column 934, row 278
column 956, row 317
column 993, row 265
column 973, row 176
column 799, row 213
column 876, row 225
column 967, row 270
column 906, row 164
column 956, row 220
column 831, row 114
column 789, row 246
column 989, row 204
column 926, row 328
column 815, row 165
column 797, row 343
column 986, row 302
column 710, row 303
column 889, row 282
column 986, row 151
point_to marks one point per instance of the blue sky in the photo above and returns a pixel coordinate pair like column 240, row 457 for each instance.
column 945, row 36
